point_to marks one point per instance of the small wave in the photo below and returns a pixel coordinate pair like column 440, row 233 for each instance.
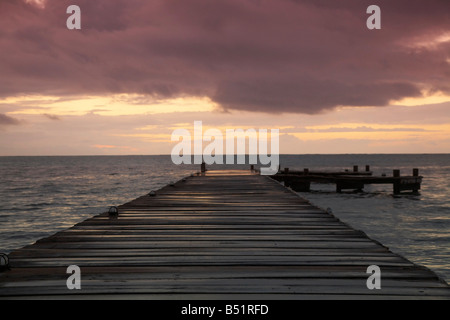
column 38, row 205
column 18, row 189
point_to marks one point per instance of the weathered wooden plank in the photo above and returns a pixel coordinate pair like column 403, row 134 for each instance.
column 57, row 253
column 224, row 297
column 152, row 230
column 327, row 229
column 411, row 273
column 234, row 213
column 211, row 244
column 226, row 260
column 302, row 285
column 220, row 287
column 211, row 221
column 121, row 238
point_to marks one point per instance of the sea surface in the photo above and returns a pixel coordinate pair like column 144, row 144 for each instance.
column 40, row 196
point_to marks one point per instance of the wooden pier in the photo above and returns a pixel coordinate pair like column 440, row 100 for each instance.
column 300, row 181
column 217, row 235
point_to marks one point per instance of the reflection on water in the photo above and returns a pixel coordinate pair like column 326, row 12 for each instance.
column 42, row 195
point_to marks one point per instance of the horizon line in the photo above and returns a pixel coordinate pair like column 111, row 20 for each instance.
column 168, row 155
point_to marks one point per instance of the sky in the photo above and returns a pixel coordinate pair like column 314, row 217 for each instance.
column 139, row 69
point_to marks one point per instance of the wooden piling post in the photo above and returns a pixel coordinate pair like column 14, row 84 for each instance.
column 252, row 168
column 396, row 174
column 203, row 167
column 367, row 168
column 286, row 170
column 306, row 171
column 417, row 185
column 355, row 168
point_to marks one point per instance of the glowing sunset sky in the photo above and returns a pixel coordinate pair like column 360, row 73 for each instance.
column 138, row 69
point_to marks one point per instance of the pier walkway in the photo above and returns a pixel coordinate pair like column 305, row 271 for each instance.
column 221, row 235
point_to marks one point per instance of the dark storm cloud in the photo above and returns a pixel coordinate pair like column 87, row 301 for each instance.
column 259, row 55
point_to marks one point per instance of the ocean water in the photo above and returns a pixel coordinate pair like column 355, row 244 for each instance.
column 43, row 195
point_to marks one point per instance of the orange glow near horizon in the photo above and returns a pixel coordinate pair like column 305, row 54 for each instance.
column 115, row 105
column 58, row 123
column 426, row 99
